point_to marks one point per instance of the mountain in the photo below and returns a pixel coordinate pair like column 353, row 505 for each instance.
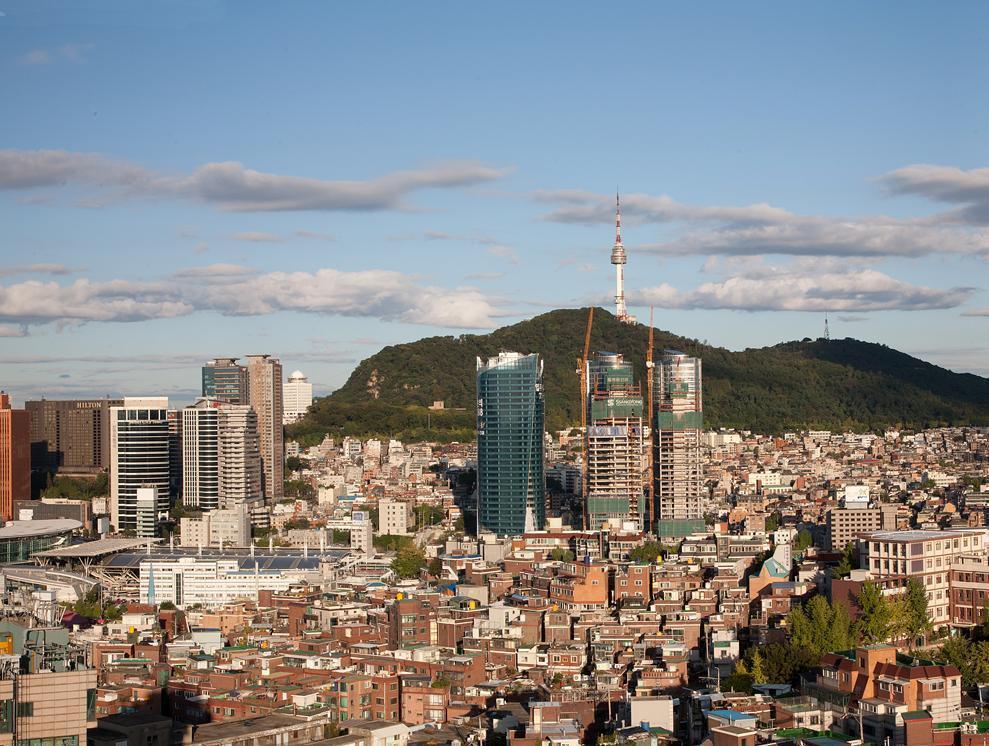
column 834, row 384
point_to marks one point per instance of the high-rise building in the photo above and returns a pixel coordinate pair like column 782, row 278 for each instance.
column 297, row 396
column 221, row 462
column 677, row 462
column 71, row 436
column 15, row 457
column 615, row 457
column 264, row 374
column 510, row 410
column 139, row 460
column 225, row 379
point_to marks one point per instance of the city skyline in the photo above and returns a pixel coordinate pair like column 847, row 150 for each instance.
column 758, row 192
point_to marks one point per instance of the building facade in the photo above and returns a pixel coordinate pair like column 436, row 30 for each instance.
column 615, row 463
column 510, row 411
column 221, row 460
column 265, row 388
column 15, row 456
column 297, row 395
column 71, row 436
column 139, row 458
column 927, row 556
column 679, row 421
column 225, row 379
column 395, row 517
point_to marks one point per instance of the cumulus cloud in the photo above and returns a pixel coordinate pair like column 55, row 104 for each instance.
column 764, row 229
column 235, row 290
column 230, row 185
column 800, row 288
column 968, row 188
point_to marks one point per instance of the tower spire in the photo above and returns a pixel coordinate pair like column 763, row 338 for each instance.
column 619, row 259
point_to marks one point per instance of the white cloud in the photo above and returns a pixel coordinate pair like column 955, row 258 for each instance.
column 977, row 312
column 504, row 252
column 37, row 269
column 230, row 185
column 949, row 184
column 803, row 288
column 36, row 57
column 9, row 330
column 765, row 229
column 235, row 290
column 315, row 235
column 67, row 52
column 256, row 237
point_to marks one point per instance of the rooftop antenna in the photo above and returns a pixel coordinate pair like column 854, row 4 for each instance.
column 827, row 332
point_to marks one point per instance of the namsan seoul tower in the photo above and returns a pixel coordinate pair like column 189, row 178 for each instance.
column 619, row 259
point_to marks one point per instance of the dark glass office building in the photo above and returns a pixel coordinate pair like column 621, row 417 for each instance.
column 510, row 411
column 225, row 380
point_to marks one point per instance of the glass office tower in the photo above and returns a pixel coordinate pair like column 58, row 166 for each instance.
column 510, row 410
column 226, row 380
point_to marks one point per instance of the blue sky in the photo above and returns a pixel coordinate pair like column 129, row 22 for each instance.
column 318, row 180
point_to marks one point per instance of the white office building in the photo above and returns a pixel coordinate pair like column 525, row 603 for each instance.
column 296, row 396
column 209, row 581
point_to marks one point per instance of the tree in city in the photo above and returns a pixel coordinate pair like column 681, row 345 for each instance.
column 409, row 562
column 804, row 540
column 876, row 615
column 648, row 552
column 773, row 521
column 820, row 627
column 435, row 567
column 916, row 620
column 756, row 669
column 561, row 555
column 847, row 564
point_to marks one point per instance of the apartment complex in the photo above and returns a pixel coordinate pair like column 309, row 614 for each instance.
column 848, row 523
column 221, row 461
column 140, row 460
column 264, row 375
column 71, row 436
column 510, row 482
column 677, row 463
column 395, row 517
column 615, row 464
column 15, row 457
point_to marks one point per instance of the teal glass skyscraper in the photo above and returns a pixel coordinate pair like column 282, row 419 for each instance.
column 510, row 411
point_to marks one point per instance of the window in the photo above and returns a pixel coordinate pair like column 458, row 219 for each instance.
column 25, row 709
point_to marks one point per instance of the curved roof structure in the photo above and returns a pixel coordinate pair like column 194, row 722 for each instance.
column 27, row 529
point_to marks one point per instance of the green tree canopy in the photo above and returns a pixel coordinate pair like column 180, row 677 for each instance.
column 409, row 561
column 648, row 552
column 876, row 615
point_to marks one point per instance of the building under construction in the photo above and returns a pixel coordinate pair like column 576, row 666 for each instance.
column 677, row 463
column 615, row 455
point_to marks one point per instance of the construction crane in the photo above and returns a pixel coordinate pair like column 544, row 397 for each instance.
column 650, row 474
column 582, row 375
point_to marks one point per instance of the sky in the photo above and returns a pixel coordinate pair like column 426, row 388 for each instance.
column 186, row 180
